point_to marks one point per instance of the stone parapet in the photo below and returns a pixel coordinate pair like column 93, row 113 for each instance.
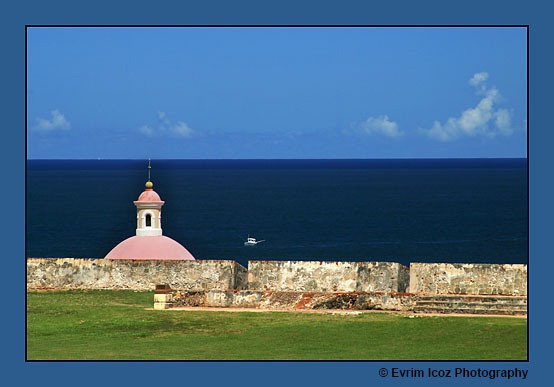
column 465, row 278
column 316, row 276
column 277, row 276
column 77, row 273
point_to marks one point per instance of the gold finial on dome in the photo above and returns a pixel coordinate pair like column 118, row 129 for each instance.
column 149, row 184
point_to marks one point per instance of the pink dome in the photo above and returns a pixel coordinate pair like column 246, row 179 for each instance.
column 150, row 247
column 149, row 195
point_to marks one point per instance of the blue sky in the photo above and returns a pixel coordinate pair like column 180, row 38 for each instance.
column 196, row 93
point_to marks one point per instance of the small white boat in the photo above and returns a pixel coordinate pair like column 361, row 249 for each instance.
column 252, row 241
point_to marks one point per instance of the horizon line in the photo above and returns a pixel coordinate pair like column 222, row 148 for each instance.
column 266, row 159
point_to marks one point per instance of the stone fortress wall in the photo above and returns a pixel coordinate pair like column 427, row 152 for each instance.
column 86, row 273
column 310, row 276
column 464, row 278
column 297, row 284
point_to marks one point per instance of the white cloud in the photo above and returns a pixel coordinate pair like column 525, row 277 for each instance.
column 503, row 121
column 478, row 79
column 166, row 126
column 58, row 122
column 162, row 118
column 381, row 125
column 181, row 129
column 145, row 129
column 482, row 120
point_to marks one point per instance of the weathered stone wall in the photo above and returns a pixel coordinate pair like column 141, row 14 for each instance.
column 277, row 276
column 314, row 276
column 458, row 278
column 360, row 301
column 261, row 299
column 73, row 273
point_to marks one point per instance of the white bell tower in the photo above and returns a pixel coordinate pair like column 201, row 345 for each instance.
column 149, row 210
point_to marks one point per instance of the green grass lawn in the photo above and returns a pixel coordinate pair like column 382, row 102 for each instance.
column 115, row 325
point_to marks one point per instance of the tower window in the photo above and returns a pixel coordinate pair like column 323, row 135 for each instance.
column 148, row 220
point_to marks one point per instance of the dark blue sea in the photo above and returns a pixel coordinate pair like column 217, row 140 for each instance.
column 442, row 210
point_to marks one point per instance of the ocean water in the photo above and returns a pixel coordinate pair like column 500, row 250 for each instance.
column 468, row 210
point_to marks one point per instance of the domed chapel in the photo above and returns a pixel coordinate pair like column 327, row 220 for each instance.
column 149, row 243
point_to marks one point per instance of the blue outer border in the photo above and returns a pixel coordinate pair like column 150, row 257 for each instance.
column 257, row 12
